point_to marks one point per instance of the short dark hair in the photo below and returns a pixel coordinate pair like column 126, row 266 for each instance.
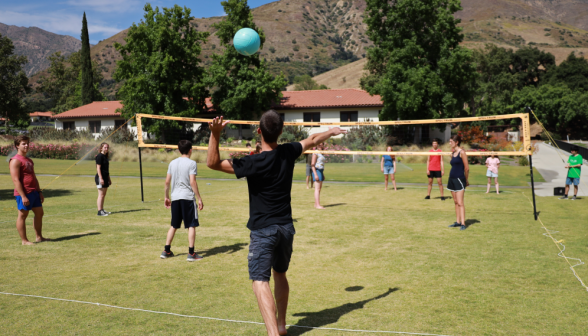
column 184, row 146
column 20, row 139
column 575, row 148
column 271, row 126
column 248, row 145
column 456, row 138
column 436, row 140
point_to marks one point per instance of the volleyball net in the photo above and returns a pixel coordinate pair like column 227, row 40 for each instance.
column 488, row 133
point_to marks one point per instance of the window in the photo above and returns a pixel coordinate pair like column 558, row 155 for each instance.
column 94, row 126
column 312, row 117
column 69, row 125
column 118, row 123
column 349, row 116
column 282, row 116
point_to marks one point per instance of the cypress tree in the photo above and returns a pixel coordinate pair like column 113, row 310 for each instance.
column 87, row 80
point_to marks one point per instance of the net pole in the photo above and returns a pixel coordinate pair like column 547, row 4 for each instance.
column 141, row 174
column 533, row 186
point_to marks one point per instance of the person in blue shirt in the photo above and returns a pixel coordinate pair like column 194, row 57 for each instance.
column 388, row 167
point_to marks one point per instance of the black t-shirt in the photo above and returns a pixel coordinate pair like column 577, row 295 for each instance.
column 102, row 160
column 269, row 178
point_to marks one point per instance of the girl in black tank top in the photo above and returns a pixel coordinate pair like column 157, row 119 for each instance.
column 458, row 180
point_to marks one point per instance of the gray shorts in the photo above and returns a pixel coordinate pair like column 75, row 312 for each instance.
column 270, row 247
column 308, row 170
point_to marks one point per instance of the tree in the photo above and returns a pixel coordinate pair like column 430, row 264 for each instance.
column 87, row 80
column 572, row 72
column 416, row 64
column 161, row 67
column 495, row 82
column 243, row 86
column 13, row 84
column 305, row 82
column 561, row 109
column 64, row 84
column 530, row 65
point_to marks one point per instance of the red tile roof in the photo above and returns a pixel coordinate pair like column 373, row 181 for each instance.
column 95, row 109
column 327, row 98
column 41, row 114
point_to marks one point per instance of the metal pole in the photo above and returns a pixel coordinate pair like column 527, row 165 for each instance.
column 533, row 186
column 141, row 174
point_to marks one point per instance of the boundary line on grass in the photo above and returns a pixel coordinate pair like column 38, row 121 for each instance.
column 561, row 247
column 216, row 318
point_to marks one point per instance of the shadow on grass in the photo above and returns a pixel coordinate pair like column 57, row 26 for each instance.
column 223, row 249
column 8, row 193
column 470, row 222
column 445, row 197
column 125, row 211
column 330, row 315
column 81, row 235
column 334, row 205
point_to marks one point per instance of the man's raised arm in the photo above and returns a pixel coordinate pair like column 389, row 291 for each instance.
column 317, row 138
column 213, row 160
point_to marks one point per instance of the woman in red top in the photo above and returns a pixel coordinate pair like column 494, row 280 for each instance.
column 27, row 192
column 435, row 169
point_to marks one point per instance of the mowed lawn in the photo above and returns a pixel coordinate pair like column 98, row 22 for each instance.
column 373, row 260
column 348, row 172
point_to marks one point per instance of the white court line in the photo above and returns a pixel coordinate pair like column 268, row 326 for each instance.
column 218, row 319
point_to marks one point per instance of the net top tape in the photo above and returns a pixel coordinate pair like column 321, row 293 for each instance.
column 348, row 123
column 524, row 117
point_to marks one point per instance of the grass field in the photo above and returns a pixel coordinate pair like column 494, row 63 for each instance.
column 372, row 260
column 357, row 172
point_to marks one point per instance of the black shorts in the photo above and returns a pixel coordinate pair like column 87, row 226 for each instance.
column 434, row 173
column 106, row 179
column 184, row 210
column 456, row 184
column 270, row 247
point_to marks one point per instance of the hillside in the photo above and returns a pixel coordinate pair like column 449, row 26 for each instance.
column 37, row 44
column 315, row 36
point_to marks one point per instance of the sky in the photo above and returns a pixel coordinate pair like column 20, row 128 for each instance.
column 105, row 17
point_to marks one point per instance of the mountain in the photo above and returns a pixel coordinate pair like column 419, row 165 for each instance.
column 37, row 44
column 315, row 36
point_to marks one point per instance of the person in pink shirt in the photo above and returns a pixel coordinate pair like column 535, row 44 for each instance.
column 435, row 169
column 27, row 192
column 492, row 163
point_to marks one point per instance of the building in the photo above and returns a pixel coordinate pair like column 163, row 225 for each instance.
column 295, row 106
column 96, row 116
column 41, row 116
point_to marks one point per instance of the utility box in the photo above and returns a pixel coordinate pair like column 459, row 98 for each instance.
column 559, row 191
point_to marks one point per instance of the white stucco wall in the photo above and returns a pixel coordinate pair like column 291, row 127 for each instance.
column 331, row 115
column 83, row 124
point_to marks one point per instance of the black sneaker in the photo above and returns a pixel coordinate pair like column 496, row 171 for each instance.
column 573, row 198
column 102, row 213
column 428, row 197
column 107, row 212
column 442, row 198
column 463, row 227
column 564, row 197
column 456, row 224
column 165, row 255
column 194, row 256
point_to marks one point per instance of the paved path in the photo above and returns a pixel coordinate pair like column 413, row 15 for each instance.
column 549, row 163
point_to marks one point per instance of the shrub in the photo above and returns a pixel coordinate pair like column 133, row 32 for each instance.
column 74, row 151
column 123, row 135
column 238, row 155
column 473, row 136
column 523, row 161
column 53, row 134
column 359, row 138
column 293, row 134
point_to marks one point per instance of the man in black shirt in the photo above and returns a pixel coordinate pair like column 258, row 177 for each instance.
column 269, row 178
